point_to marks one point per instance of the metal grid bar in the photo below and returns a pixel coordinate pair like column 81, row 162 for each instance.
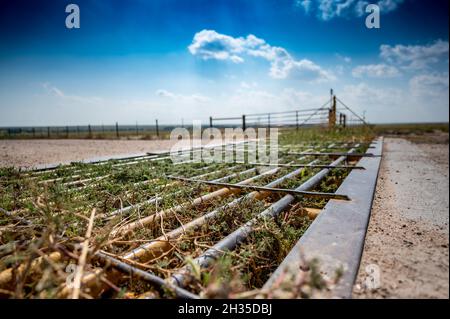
column 123, row 265
column 182, row 277
column 342, row 226
column 266, row 189
column 337, row 154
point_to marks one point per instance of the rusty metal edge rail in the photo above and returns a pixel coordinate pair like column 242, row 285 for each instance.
column 336, row 237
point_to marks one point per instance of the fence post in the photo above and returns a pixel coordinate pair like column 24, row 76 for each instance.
column 157, row 128
column 296, row 120
column 89, row 131
column 243, row 122
column 117, row 130
column 210, row 121
column 332, row 113
column 268, row 120
column 344, row 120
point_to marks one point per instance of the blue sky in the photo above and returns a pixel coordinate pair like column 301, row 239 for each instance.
column 140, row 60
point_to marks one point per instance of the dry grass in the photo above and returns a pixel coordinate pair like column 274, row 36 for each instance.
column 49, row 227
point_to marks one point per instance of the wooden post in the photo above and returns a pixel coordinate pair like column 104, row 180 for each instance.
column 117, row 130
column 268, row 120
column 89, row 131
column 344, row 120
column 210, row 121
column 332, row 113
column 157, row 128
column 243, row 122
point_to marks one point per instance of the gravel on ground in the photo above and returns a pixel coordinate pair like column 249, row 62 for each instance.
column 406, row 253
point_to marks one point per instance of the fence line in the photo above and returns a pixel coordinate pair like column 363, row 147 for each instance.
column 329, row 114
column 87, row 131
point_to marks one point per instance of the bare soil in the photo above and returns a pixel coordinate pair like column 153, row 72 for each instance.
column 37, row 152
column 408, row 231
column 29, row 153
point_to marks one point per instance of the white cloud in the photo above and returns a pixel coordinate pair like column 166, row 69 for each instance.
column 344, row 58
column 389, row 5
column 297, row 99
column 370, row 95
column 305, row 4
column 415, row 56
column 246, row 85
column 182, row 98
column 54, row 91
column 260, row 100
column 415, row 103
column 339, row 70
column 375, row 71
column 429, row 85
column 330, row 9
column 165, row 93
column 303, row 69
column 208, row 44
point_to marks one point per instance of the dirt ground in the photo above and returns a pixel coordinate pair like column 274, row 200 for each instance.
column 32, row 153
column 407, row 239
column 28, row 153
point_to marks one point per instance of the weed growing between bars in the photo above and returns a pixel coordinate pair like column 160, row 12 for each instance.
column 47, row 216
column 250, row 265
column 197, row 240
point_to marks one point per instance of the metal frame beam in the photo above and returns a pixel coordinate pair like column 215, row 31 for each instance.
column 336, row 237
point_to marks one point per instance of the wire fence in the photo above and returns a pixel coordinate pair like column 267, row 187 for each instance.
column 321, row 116
column 114, row 131
column 328, row 114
